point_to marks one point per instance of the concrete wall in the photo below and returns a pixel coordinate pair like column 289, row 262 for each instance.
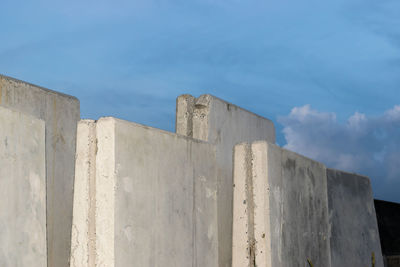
column 144, row 196
column 354, row 230
column 213, row 120
column 22, row 190
column 281, row 208
column 60, row 113
column 152, row 198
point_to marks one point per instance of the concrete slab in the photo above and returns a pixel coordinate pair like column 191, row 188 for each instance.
column 286, row 208
column 60, row 113
column 149, row 194
column 22, row 190
column 354, row 229
column 223, row 124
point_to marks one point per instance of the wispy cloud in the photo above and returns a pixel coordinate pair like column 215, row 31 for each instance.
column 365, row 144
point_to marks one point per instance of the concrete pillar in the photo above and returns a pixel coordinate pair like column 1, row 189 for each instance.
column 60, row 113
column 223, row 124
column 143, row 197
column 22, row 190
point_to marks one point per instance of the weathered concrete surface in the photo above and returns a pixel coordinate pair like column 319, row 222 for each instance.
column 60, row 113
column 213, row 120
column 354, row 230
column 286, row 202
column 22, row 190
column 154, row 194
column 83, row 240
column 243, row 212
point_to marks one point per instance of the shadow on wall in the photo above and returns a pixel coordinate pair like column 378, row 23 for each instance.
column 388, row 216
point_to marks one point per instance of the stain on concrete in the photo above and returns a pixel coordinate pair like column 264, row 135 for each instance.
column 250, row 206
column 373, row 259
column 290, row 165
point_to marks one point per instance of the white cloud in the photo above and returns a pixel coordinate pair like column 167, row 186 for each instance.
column 369, row 145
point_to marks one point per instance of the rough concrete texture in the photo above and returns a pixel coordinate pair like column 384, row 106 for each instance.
column 83, row 228
column 153, row 193
column 22, row 190
column 354, row 229
column 60, row 113
column 242, row 215
column 213, row 120
column 286, row 203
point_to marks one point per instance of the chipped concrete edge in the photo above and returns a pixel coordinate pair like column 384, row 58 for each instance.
column 235, row 106
column 192, row 116
column 184, row 115
column 201, row 117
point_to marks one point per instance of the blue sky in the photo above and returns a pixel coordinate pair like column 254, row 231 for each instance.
column 131, row 59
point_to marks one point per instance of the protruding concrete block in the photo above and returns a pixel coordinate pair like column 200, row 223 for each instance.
column 213, row 120
column 149, row 194
column 22, row 190
column 354, row 230
column 281, row 205
column 60, row 113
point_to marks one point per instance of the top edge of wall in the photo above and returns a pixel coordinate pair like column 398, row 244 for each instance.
column 2, row 76
column 117, row 120
column 212, row 97
column 269, row 144
column 349, row 173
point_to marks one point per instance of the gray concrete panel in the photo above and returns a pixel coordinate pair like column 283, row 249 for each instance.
column 22, row 190
column 354, row 229
column 223, row 124
column 287, row 207
column 60, row 113
column 155, row 197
